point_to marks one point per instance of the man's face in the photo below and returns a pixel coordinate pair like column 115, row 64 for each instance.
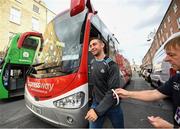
column 173, row 57
column 96, row 47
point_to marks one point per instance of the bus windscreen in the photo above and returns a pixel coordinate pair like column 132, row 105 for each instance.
column 30, row 43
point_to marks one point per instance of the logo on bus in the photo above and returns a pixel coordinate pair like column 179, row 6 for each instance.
column 25, row 54
column 38, row 87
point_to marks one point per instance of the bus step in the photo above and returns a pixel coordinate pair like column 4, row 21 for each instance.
column 17, row 92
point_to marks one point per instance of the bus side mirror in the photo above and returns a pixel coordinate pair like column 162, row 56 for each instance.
column 27, row 34
column 77, row 6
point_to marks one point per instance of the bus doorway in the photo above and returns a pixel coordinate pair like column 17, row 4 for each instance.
column 14, row 79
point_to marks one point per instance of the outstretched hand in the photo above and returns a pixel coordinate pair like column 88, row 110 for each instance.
column 158, row 122
column 122, row 93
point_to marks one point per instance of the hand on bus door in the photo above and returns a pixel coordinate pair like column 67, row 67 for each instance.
column 91, row 115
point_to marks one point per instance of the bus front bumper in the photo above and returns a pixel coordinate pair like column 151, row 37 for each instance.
column 71, row 118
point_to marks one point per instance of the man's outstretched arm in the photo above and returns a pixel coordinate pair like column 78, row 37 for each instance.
column 144, row 95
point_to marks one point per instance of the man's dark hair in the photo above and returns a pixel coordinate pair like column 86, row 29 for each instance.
column 92, row 38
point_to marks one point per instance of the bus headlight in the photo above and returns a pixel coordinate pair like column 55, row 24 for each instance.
column 73, row 101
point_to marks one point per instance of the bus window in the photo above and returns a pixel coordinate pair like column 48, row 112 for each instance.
column 6, row 76
column 62, row 46
column 1, row 62
column 111, row 48
column 30, row 43
column 16, row 73
column 96, row 33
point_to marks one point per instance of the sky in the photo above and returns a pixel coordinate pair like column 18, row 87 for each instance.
column 131, row 21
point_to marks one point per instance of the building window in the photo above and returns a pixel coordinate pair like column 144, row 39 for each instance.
column 161, row 31
column 167, row 36
column 15, row 15
column 35, row 8
column 169, row 19
column 163, row 38
column 178, row 22
column 160, row 42
column 35, row 24
column 164, row 25
column 171, row 30
column 175, row 8
column 19, row 1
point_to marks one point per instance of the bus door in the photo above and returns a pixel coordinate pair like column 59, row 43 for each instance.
column 98, row 29
column 94, row 32
column 14, row 78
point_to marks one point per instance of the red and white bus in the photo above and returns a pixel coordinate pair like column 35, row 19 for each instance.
column 125, row 67
column 58, row 88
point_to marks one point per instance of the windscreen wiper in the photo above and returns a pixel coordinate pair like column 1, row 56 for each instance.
column 35, row 65
column 32, row 68
column 54, row 67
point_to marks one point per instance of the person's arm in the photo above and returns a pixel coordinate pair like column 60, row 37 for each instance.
column 113, row 82
column 145, row 95
column 158, row 122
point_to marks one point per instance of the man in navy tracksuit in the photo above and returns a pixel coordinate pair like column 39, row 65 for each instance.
column 105, row 75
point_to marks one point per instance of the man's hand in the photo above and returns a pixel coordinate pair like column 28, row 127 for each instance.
column 122, row 93
column 91, row 115
column 158, row 122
